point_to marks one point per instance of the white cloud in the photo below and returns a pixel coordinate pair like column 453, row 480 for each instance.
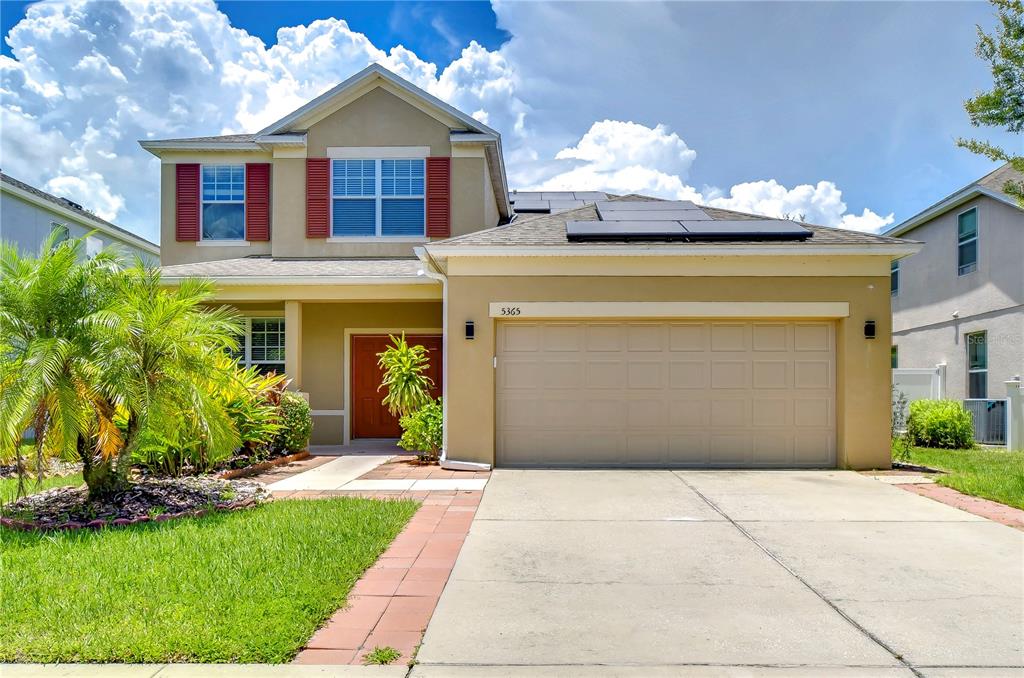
column 91, row 78
column 821, row 203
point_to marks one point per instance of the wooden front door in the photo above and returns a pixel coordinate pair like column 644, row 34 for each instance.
column 370, row 419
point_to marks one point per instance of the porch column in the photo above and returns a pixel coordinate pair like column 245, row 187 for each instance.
column 293, row 343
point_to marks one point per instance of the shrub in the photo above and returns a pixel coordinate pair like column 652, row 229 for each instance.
column 940, row 423
column 296, row 421
column 422, row 431
column 408, row 388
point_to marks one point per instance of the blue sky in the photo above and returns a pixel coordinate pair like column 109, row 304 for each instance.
column 821, row 109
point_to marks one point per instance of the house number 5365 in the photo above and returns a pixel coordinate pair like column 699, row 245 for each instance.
column 511, row 310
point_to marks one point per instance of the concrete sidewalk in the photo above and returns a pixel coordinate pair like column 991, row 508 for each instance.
column 708, row 573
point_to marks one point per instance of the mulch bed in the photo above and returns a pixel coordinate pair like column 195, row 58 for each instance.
column 150, row 499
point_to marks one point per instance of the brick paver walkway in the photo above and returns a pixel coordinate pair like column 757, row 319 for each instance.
column 1000, row 513
column 392, row 603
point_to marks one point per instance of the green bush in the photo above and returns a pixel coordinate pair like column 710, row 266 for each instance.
column 940, row 423
column 422, row 431
column 296, row 423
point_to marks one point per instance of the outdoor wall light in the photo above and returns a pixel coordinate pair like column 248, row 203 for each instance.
column 869, row 329
column 470, row 330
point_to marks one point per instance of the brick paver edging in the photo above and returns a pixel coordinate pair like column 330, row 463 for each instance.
column 393, row 601
column 993, row 510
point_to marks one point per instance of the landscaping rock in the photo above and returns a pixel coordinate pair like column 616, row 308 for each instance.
column 161, row 499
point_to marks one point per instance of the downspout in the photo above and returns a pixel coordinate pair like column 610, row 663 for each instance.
column 433, row 271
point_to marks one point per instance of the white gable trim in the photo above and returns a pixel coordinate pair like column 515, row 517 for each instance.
column 947, row 204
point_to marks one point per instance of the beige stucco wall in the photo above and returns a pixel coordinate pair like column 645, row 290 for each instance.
column 862, row 388
column 324, row 370
column 377, row 118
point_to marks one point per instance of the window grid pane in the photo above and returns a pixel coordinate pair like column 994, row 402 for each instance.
column 402, row 177
column 967, row 225
column 354, row 178
column 223, row 183
column 267, row 341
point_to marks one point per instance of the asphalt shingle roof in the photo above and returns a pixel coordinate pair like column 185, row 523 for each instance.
column 267, row 267
column 226, row 138
column 549, row 229
column 68, row 205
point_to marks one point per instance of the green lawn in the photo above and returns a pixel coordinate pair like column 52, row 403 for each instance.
column 991, row 474
column 250, row 586
column 9, row 486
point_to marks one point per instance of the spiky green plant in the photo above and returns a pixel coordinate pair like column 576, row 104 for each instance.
column 163, row 361
column 408, row 388
column 48, row 363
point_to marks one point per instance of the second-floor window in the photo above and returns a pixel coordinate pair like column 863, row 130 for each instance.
column 223, row 202
column 977, row 365
column 894, row 278
column 967, row 242
column 378, row 198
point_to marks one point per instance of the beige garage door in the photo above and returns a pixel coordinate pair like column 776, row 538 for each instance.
column 679, row 393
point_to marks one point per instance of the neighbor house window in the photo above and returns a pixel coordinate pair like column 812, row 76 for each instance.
column 62, row 231
column 894, row 278
column 262, row 344
column 223, row 202
column 894, row 357
column 967, row 242
column 378, row 198
column 977, row 365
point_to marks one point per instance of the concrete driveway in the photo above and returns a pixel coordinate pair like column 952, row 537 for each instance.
column 726, row 573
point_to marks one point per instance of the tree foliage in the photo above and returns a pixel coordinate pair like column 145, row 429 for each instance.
column 1003, row 105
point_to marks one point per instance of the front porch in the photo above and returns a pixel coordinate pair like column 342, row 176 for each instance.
column 322, row 321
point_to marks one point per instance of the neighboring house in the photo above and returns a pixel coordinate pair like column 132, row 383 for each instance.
column 960, row 300
column 680, row 336
column 28, row 216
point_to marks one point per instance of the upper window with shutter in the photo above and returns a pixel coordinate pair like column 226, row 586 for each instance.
column 378, row 198
column 223, row 196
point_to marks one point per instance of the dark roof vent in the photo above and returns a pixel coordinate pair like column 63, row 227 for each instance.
column 72, row 203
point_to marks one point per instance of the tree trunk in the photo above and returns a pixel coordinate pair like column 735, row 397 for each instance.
column 99, row 474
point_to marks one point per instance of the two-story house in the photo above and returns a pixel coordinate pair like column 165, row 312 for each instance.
column 586, row 330
column 28, row 216
column 960, row 300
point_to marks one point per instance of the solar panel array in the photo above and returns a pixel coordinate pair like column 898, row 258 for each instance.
column 679, row 220
column 552, row 202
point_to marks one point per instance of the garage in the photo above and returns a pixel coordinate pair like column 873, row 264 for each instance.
column 664, row 393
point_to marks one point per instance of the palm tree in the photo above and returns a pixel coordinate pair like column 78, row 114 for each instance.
column 408, row 388
column 162, row 351
column 48, row 368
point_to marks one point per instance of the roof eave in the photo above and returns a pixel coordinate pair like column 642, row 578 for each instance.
column 247, row 281
column 130, row 238
column 157, row 147
column 879, row 249
column 946, row 204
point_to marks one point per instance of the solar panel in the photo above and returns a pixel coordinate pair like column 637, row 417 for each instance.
column 532, row 206
column 748, row 229
column 590, row 195
column 624, row 230
column 558, row 195
column 566, row 204
column 524, row 195
column 638, row 205
column 654, row 215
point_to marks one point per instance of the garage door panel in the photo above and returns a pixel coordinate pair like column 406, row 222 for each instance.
column 688, row 374
column 644, row 374
column 675, row 393
column 686, row 337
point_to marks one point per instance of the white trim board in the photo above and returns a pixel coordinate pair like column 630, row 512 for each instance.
column 377, row 152
column 515, row 310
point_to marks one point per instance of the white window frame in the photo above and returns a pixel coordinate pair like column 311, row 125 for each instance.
column 245, row 360
column 894, row 268
column 224, row 242
column 379, row 198
column 959, row 243
column 976, row 370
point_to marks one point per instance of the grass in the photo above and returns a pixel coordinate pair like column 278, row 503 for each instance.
column 382, row 655
column 250, row 586
column 9, row 486
column 990, row 474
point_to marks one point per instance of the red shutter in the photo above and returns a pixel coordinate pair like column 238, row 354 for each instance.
column 186, row 191
column 257, row 201
column 439, row 197
column 318, row 197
